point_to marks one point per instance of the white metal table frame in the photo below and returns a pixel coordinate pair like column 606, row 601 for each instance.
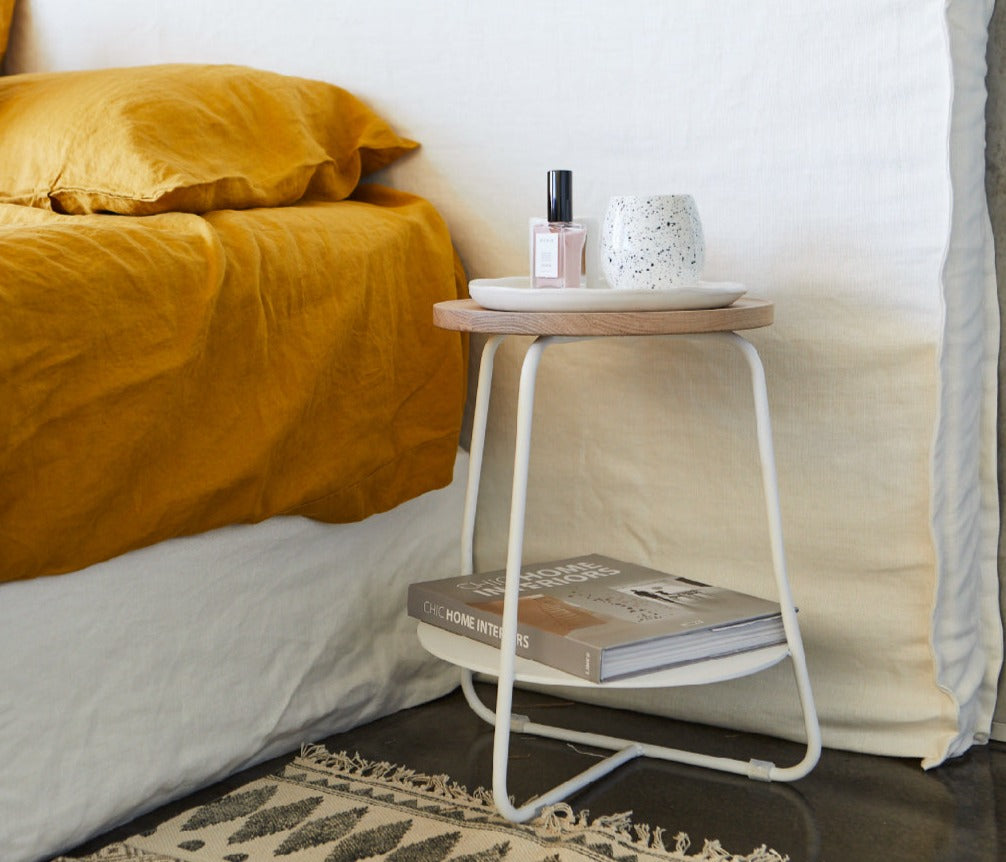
column 624, row 749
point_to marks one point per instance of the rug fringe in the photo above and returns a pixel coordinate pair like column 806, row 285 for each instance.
column 408, row 779
column 559, row 819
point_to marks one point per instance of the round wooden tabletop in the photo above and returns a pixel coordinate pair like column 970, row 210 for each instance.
column 466, row 315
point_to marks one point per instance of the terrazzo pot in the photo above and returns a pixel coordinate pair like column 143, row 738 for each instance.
column 652, row 242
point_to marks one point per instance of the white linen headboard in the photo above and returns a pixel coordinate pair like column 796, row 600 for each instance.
column 836, row 152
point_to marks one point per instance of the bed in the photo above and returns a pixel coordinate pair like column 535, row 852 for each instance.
column 839, row 170
column 229, row 438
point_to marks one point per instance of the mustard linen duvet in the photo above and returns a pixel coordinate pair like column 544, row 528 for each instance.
column 165, row 375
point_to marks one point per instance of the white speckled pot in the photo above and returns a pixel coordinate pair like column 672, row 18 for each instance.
column 652, row 242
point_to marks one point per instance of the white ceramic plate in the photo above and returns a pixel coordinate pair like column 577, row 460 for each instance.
column 516, row 294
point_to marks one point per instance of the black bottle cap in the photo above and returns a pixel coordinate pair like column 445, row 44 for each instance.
column 560, row 196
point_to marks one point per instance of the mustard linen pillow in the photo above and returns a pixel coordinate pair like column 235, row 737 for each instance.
column 183, row 137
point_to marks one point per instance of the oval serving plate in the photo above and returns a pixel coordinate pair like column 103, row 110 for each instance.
column 516, row 294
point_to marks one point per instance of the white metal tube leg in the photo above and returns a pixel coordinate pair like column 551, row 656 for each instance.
column 515, row 550
column 505, row 722
column 770, row 487
column 479, row 423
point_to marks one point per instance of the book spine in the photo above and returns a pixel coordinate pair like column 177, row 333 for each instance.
column 454, row 615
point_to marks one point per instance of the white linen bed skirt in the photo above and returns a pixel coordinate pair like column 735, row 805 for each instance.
column 138, row 680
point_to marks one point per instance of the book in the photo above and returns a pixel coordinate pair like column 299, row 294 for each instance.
column 600, row 618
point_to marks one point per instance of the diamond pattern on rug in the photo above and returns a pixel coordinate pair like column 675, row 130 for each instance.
column 315, row 833
column 230, row 807
column 325, row 807
column 281, row 818
column 433, row 849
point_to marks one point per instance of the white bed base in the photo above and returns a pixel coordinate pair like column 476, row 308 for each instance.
column 138, row 680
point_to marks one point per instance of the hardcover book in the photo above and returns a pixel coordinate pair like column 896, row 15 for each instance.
column 600, row 618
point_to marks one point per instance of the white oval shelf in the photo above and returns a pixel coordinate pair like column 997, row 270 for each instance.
column 482, row 658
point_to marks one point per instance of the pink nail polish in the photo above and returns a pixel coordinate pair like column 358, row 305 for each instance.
column 557, row 245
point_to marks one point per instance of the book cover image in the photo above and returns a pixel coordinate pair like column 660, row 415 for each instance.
column 582, row 613
column 547, row 613
column 566, row 609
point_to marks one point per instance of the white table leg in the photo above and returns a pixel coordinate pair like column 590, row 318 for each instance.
column 770, row 486
column 480, row 420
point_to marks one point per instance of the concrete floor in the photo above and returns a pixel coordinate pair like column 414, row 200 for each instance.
column 851, row 808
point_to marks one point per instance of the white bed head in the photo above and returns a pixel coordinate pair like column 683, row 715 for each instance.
column 749, row 107
column 836, row 153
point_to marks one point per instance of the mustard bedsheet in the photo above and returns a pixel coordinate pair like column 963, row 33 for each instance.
column 165, row 375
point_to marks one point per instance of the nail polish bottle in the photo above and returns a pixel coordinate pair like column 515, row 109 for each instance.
column 557, row 245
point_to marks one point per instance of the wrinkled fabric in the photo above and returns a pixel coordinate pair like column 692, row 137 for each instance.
column 166, row 375
column 216, row 137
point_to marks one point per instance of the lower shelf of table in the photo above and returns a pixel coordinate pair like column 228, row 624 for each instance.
column 482, row 658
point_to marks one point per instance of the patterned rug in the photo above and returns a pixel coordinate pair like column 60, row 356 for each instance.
column 325, row 807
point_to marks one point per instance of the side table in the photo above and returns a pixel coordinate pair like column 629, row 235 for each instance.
column 472, row 657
